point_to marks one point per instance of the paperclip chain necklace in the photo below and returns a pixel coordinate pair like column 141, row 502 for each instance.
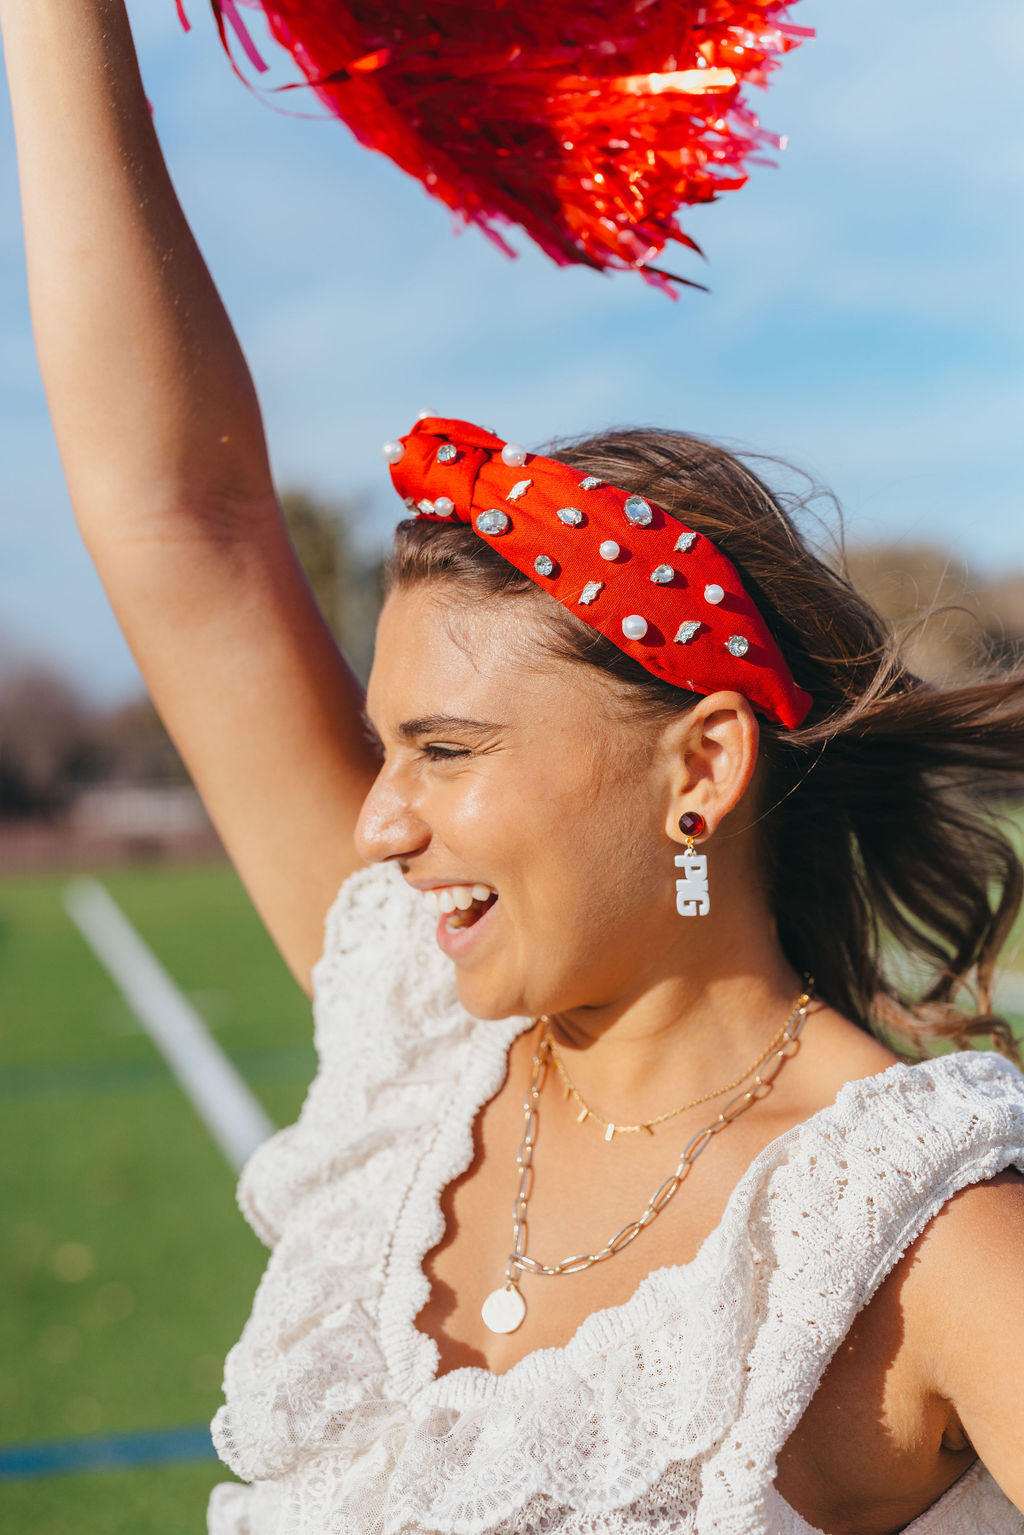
column 505, row 1308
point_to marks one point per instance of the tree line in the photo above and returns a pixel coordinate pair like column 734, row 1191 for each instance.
column 53, row 742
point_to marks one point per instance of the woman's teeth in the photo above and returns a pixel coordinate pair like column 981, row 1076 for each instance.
column 458, row 899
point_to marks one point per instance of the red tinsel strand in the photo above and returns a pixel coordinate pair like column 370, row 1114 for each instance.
column 588, row 126
column 230, row 11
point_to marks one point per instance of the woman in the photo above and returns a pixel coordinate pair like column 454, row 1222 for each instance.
column 587, row 870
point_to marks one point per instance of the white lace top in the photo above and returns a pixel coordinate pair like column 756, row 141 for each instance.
column 664, row 1414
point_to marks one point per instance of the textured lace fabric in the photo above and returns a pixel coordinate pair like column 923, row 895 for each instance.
column 664, row 1414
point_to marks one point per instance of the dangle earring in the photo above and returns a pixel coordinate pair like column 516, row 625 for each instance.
column 692, row 898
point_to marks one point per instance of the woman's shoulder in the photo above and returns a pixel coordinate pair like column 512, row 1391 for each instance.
column 927, row 1128
column 918, row 1130
column 963, row 1101
column 862, row 1178
column 854, row 1084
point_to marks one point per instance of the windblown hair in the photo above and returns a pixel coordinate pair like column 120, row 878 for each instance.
column 889, row 876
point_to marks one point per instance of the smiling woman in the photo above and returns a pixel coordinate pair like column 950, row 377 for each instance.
column 612, row 1205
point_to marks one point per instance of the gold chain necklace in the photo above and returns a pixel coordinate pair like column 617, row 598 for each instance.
column 504, row 1309
column 611, row 1129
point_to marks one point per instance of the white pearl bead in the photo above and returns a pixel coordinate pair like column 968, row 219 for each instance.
column 425, row 415
column 394, row 452
column 513, row 455
column 610, row 550
column 714, row 594
column 634, row 627
column 444, row 506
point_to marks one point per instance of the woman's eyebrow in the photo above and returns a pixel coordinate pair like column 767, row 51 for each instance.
column 428, row 724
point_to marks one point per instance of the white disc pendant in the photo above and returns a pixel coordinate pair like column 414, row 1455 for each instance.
column 504, row 1309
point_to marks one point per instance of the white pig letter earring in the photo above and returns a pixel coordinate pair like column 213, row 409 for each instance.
column 692, row 898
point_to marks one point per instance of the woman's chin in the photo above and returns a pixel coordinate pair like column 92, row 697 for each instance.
column 491, row 1001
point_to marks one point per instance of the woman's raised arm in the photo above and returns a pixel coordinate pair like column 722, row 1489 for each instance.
column 162, row 443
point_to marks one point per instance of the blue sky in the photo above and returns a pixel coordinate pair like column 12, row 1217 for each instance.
column 864, row 322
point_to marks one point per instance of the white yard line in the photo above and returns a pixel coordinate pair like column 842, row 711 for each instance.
column 224, row 1103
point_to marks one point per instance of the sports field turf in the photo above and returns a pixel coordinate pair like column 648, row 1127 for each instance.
column 125, row 1269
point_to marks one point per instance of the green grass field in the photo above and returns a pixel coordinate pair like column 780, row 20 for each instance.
column 125, row 1268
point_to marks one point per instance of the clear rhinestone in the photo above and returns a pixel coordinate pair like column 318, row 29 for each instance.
column 519, row 489
column 687, row 631
column 493, row 521
column 737, row 645
column 685, row 542
column 447, row 453
column 591, row 482
column 425, row 506
column 544, row 565
column 662, row 575
column 590, row 591
column 570, row 516
column 638, row 512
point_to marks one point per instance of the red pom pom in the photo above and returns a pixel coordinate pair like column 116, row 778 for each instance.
column 588, row 125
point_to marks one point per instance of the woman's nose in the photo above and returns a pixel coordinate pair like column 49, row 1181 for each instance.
column 388, row 826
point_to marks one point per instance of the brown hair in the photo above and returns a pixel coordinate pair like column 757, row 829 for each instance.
column 874, row 830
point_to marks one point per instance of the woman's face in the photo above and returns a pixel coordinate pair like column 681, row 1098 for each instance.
column 508, row 769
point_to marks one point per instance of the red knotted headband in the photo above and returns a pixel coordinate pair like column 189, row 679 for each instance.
column 659, row 591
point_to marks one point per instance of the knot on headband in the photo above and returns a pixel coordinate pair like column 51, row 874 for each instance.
column 663, row 593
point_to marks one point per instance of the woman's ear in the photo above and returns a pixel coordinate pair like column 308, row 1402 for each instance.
column 712, row 754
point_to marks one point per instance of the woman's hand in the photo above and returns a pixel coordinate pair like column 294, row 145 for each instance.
column 162, row 443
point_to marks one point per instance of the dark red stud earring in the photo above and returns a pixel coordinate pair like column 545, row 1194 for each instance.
column 692, row 824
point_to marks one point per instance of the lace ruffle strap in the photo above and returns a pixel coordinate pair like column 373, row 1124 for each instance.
column 863, row 1180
